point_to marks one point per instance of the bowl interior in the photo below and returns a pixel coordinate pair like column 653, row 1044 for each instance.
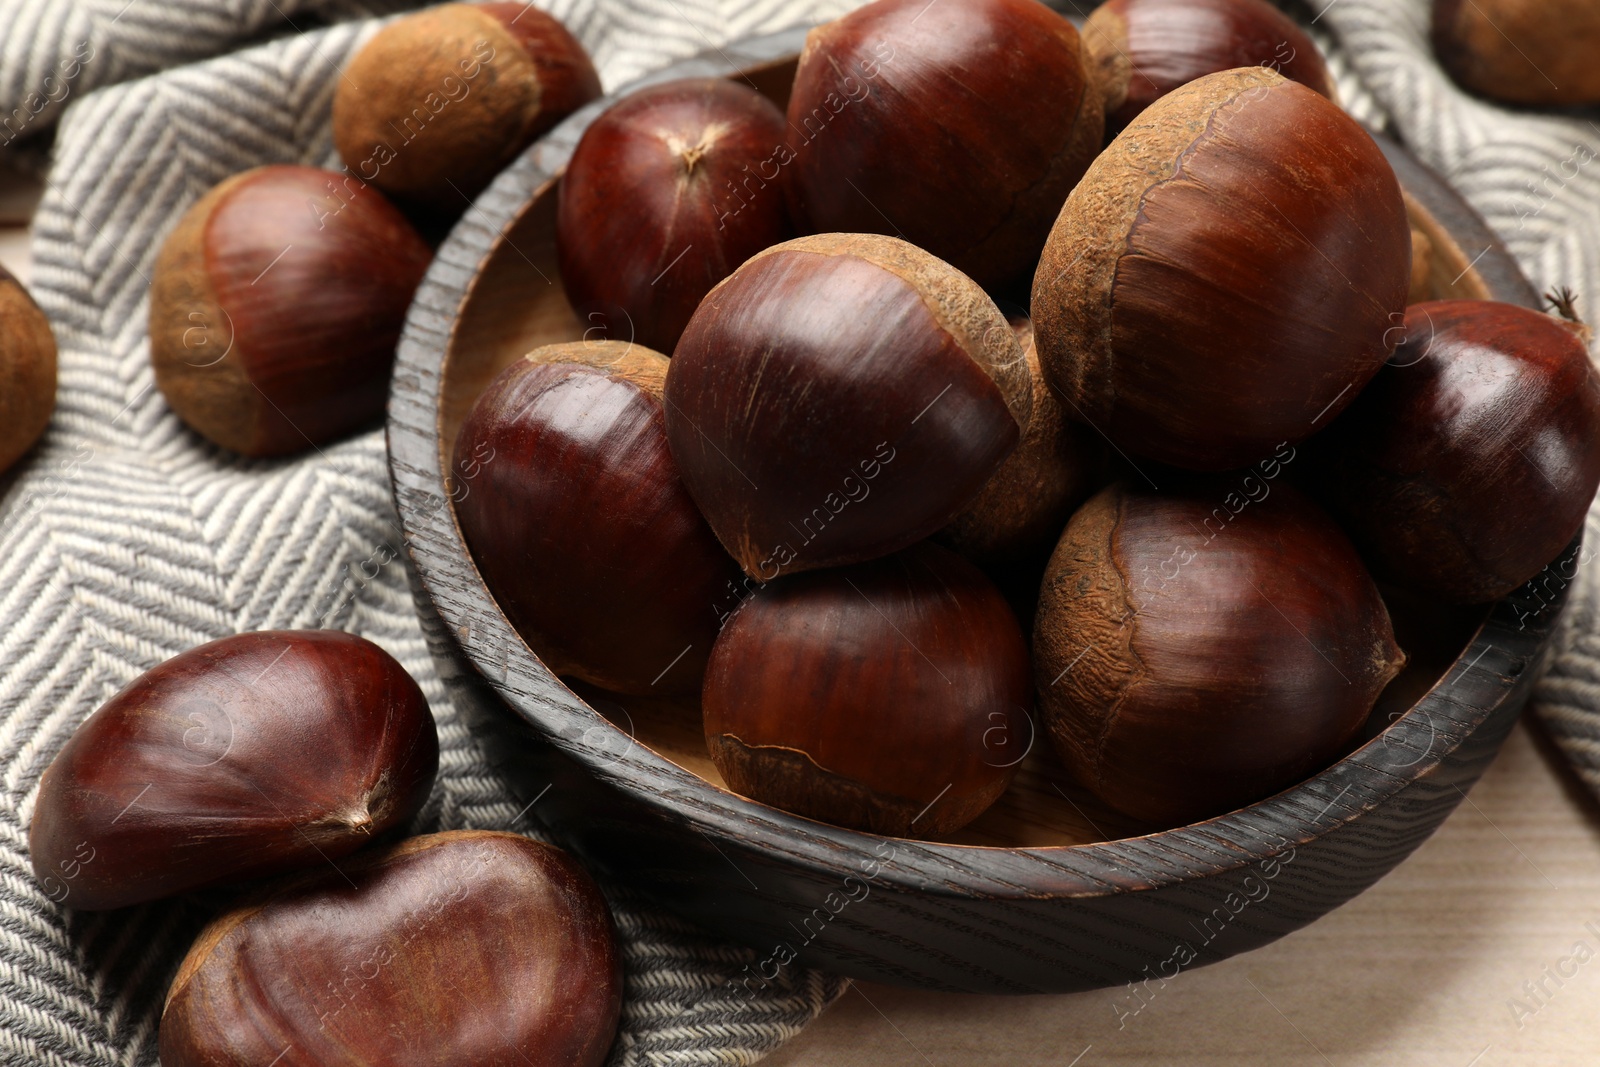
column 516, row 303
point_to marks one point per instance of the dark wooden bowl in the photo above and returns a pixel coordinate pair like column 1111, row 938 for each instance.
column 1047, row 892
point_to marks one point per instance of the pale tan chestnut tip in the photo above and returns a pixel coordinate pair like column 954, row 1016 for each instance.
column 644, row 367
column 957, row 303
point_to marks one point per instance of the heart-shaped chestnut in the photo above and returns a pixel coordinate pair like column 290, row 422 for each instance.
column 256, row 754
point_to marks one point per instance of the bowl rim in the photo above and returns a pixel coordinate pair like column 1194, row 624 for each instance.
column 1510, row 637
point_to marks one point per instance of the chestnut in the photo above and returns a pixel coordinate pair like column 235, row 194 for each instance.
column 438, row 102
column 959, row 127
column 256, row 754
column 1023, row 507
column 840, row 397
column 276, row 305
column 580, row 524
column 1200, row 649
column 466, row 947
column 1225, row 277
column 27, row 371
column 1470, row 461
column 889, row 696
column 1536, row 52
column 1144, row 49
column 667, row 192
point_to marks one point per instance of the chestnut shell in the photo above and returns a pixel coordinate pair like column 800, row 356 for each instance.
column 668, row 191
column 840, row 397
column 256, row 754
column 1537, row 52
column 1144, row 49
column 889, row 696
column 27, row 371
column 1470, row 461
column 959, row 127
column 1200, row 649
column 571, row 502
column 276, row 305
column 467, row 947
column 1225, row 278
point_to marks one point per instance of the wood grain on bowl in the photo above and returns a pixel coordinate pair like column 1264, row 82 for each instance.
column 1045, row 892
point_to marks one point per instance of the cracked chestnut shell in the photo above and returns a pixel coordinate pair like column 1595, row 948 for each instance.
column 1225, row 277
column 889, row 696
column 467, row 947
column 27, row 371
column 256, row 754
column 1200, row 649
column 276, row 305
column 1470, row 461
column 1537, row 52
column 438, row 102
column 577, row 518
column 667, row 192
column 958, row 127
column 1144, row 49
column 840, row 397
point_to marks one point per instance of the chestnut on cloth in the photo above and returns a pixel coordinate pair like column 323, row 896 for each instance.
column 125, row 539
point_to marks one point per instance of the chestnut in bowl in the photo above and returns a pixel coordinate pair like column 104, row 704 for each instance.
column 27, row 371
column 1046, row 891
column 1224, row 278
column 1144, row 49
column 668, row 191
column 889, row 696
column 438, row 102
column 580, row 524
column 1471, row 460
column 1199, row 649
column 275, row 306
column 840, row 397
column 467, row 947
column 256, row 754
column 959, row 127
column 1534, row 52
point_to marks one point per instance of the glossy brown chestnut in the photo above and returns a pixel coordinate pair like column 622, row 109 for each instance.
column 958, row 127
column 27, row 371
column 1538, row 52
column 889, row 696
column 1470, row 461
column 1143, row 49
column 1225, row 277
column 668, row 191
column 468, row 947
column 1023, row 507
column 581, row 526
column 840, row 397
column 276, row 305
column 437, row 103
column 256, row 754
column 1201, row 649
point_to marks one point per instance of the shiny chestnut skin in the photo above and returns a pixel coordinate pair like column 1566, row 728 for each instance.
column 467, row 947
column 889, row 696
column 1201, row 649
column 580, row 524
column 1536, row 52
column 958, row 127
column 1023, row 507
column 252, row 755
column 438, row 102
column 276, row 305
column 667, row 192
column 27, row 371
column 1144, row 49
column 1225, row 277
column 840, row 397
column 1470, row 461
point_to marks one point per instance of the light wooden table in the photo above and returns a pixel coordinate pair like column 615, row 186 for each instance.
column 1423, row 970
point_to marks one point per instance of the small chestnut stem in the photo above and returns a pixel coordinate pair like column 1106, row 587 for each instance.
column 1564, row 302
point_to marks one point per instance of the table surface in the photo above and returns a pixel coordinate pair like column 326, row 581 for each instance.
column 1475, row 952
